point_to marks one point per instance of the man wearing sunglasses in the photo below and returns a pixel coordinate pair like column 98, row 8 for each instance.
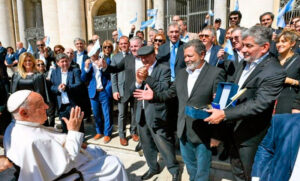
column 235, row 18
column 44, row 53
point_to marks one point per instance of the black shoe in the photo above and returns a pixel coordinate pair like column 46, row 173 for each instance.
column 138, row 147
column 149, row 174
column 176, row 176
column 214, row 151
column 224, row 155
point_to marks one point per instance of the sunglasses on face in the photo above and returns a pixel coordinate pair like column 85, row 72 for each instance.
column 106, row 47
column 40, row 64
column 40, row 45
column 233, row 18
column 206, row 36
column 158, row 40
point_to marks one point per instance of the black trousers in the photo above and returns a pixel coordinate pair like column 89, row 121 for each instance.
column 152, row 142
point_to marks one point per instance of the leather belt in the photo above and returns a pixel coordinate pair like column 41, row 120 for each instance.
column 99, row 90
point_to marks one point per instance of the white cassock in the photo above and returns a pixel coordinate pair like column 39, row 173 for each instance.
column 45, row 154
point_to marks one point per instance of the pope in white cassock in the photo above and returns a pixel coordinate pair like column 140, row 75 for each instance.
column 45, row 154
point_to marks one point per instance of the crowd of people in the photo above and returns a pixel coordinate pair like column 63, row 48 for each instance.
column 153, row 83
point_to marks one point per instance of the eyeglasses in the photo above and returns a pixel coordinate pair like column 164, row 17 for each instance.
column 206, row 36
column 40, row 45
column 158, row 40
column 233, row 18
column 106, row 47
column 115, row 35
column 40, row 64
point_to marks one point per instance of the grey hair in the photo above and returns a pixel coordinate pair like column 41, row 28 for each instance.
column 154, row 30
column 136, row 38
column 79, row 39
column 61, row 56
column 260, row 34
column 197, row 44
column 211, row 29
column 173, row 23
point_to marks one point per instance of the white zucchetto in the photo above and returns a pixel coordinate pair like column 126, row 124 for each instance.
column 17, row 99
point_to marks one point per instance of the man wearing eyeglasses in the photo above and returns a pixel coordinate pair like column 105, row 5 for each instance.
column 235, row 18
column 44, row 53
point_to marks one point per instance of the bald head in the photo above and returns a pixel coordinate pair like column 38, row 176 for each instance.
column 70, row 53
column 19, row 45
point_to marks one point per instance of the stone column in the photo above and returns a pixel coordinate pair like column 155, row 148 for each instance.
column 7, row 36
column 159, row 4
column 50, row 20
column 71, row 21
column 126, row 10
column 220, row 8
column 21, row 21
column 39, row 14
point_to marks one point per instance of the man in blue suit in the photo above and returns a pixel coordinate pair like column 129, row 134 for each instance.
column 277, row 153
column 220, row 31
column 20, row 50
column 208, row 38
column 80, row 55
column 66, row 86
column 98, row 86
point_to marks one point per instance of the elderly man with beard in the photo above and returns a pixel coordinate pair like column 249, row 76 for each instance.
column 194, row 86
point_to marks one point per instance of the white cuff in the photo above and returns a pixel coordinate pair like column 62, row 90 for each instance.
column 255, row 178
column 137, row 85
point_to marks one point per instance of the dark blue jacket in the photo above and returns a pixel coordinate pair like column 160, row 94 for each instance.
column 213, row 59
column 277, row 153
column 18, row 53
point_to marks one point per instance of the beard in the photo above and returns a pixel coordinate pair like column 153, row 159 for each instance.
column 192, row 65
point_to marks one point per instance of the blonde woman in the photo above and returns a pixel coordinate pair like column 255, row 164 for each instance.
column 27, row 77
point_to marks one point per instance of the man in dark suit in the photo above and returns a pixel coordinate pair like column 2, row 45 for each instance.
column 66, row 86
column 129, row 64
column 220, row 31
column 276, row 155
column 263, row 77
column 208, row 37
column 118, row 80
column 3, row 52
column 194, row 86
column 20, row 50
column 98, row 82
column 80, row 55
column 151, row 117
column 44, row 53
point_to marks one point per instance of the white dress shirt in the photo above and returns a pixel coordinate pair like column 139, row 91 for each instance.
column 207, row 55
column 64, row 95
column 42, row 57
column 192, row 78
column 240, row 55
column 138, row 64
column 79, row 59
column 249, row 68
column 97, row 76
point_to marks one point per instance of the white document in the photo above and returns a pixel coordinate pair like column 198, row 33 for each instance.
column 224, row 96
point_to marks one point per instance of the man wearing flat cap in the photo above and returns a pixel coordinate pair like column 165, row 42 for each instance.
column 152, row 117
column 42, row 153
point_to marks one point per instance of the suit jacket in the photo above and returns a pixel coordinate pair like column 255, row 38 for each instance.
column 277, row 153
column 205, row 86
column 213, row 59
column 3, row 52
column 49, row 59
column 254, row 108
column 155, row 113
column 127, row 65
column 163, row 56
column 19, row 52
column 85, row 56
column 230, row 66
column 89, row 76
column 222, row 36
column 117, row 79
column 73, row 86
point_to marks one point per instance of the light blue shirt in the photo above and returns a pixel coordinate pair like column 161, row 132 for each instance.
column 64, row 95
column 79, row 58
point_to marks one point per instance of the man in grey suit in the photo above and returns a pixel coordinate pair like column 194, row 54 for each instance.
column 151, row 117
column 263, row 77
column 117, row 80
column 194, row 86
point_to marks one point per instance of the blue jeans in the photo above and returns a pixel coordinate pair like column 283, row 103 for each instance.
column 197, row 159
column 101, row 100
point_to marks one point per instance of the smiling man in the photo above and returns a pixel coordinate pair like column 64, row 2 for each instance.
column 263, row 77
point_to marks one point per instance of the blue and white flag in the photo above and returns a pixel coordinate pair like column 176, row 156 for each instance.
column 150, row 23
column 120, row 34
column 236, row 5
column 29, row 49
column 95, row 48
column 47, row 41
column 228, row 49
column 210, row 13
column 133, row 20
column 280, row 18
column 151, row 12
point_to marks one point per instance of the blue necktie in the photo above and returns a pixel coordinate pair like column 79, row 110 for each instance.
column 172, row 62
